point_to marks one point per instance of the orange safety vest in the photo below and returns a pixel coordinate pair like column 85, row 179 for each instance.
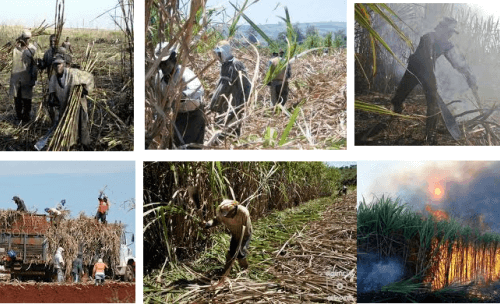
column 99, row 267
column 103, row 207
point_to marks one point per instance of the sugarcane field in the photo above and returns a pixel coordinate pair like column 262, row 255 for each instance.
column 291, row 226
column 74, row 250
column 92, row 108
column 428, row 232
column 221, row 76
column 406, row 93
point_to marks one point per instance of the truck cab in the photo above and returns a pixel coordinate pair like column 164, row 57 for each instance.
column 126, row 267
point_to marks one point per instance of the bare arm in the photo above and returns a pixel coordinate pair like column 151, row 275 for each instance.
column 212, row 223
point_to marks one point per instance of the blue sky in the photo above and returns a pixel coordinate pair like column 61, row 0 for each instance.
column 267, row 11
column 78, row 13
column 42, row 184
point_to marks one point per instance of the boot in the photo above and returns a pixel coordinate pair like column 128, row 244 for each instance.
column 26, row 110
column 18, row 105
column 243, row 263
column 397, row 107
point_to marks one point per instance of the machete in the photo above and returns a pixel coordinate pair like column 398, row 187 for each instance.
column 449, row 120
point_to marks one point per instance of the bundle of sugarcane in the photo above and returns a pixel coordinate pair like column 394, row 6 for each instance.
column 59, row 20
column 6, row 49
column 66, row 133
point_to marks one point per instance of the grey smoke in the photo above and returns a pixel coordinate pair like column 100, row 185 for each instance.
column 375, row 272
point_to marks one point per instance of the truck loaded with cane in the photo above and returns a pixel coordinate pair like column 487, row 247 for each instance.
column 28, row 242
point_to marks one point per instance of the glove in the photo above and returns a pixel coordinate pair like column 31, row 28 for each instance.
column 85, row 92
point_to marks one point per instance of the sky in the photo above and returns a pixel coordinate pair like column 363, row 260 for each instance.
column 462, row 189
column 43, row 184
column 340, row 163
column 267, row 11
column 78, row 13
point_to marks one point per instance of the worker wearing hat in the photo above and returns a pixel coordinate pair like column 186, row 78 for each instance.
column 59, row 264
column 233, row 86
column 60, row 86
column 421, row 66
column 23, row 76
column 20, row 204
column 189, row 127
column 279, row 84
column 237, row 219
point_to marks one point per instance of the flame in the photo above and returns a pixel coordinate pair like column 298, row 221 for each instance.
column 438, row 214
column 462, row 265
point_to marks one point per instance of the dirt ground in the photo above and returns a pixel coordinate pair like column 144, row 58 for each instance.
column 67, row 293
column 383, row 130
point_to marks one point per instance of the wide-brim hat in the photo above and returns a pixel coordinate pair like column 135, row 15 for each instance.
column 26, row 34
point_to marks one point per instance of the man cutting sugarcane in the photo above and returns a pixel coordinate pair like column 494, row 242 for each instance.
column 420, row 69
column 279, row 85
column 60, row 87
column 237, row 219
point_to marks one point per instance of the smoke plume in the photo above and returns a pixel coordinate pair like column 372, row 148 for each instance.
column 374, row 272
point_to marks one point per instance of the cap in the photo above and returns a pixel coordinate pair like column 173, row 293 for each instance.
column 100, row 261
column 448, row 23
column 58, row 58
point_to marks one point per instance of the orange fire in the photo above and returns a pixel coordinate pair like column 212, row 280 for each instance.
column 463, row 264
column 438, row 214
column 435, row 188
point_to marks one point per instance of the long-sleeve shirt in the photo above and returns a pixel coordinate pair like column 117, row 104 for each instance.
column 192, row 89
column 24, row 71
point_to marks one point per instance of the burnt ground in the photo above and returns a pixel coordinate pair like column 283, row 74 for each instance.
column 383, row 130
column 111, row 292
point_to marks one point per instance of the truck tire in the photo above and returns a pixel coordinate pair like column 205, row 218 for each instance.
column 130, row 274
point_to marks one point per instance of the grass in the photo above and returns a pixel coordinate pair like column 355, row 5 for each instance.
column 269, row 234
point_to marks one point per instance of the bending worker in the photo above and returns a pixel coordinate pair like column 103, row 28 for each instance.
column 237, row 219
column 190, row 118
column 421, row 66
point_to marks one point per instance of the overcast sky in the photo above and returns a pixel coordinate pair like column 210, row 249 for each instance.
column 267, row 11
column 42, row 184
column 78, row 13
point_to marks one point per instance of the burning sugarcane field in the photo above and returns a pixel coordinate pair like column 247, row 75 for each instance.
column 221, row 77
column 425, row 74
column 291, row 232
column 65, row 83
column 428, row 232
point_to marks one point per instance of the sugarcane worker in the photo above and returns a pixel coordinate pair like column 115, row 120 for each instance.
column 190, row 119
column 237, row 219
column 24, row 75
column 102, row 209
column 56, row 213
column 48, row 57
column 98, row 272
column 20, row 204
column 60, row 87
column 67, row 45
column 77, row 269
column 233, row 86
column 421, row 66
column 59, row 264
column 279, row 84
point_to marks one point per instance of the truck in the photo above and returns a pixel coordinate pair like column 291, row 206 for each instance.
column 26, row 235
